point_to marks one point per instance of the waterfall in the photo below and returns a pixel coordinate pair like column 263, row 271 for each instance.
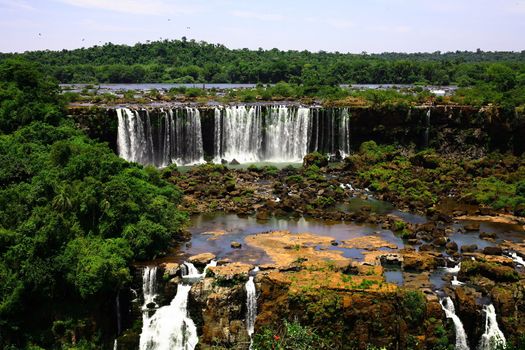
column 344, row 133
column 493, row 336
column 115, row 345
column 427, row 128
column 247, row 134
column 454, row 269
column 134, row 140
column 176, row 137
column 171, row 328
column 117, row 306
column 251, row 305
column 287, row 134
column 461, row 337
column 517, row 259
column 149, row 285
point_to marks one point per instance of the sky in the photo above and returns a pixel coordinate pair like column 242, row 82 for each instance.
column 331, row 25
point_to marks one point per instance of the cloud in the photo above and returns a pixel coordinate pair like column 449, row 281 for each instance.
column 16, row 5
column 258, row 16
column 139, row 7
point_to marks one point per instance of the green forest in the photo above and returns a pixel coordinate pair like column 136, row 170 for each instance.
column 73, row 217
column 188, row 61
column 483, row 77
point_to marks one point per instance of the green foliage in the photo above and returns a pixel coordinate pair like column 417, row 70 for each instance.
column 495, row 192
column 414, row 306
column 292, row 336
column 73, row 217
column 26, row 95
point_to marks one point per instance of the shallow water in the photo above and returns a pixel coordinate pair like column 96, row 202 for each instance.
column 238, row 228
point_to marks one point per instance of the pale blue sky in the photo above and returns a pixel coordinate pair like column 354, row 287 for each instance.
column 345, row 26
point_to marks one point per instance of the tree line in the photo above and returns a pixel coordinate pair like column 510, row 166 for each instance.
column 189, row 61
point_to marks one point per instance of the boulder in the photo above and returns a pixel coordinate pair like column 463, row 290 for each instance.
column 440, row 241
column 487, row 235
column 492, row 251
column 171, row 269
column 236, row 245
column 469, row 248
column 201, row 259
column 451, row 246
column 473, row 226
column 234, row 162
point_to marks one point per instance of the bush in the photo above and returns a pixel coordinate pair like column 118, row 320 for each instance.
column 292, row 336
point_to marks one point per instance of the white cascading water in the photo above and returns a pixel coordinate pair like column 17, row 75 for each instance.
column 461, row 337
column 177, row 137
column 344, row 133
column 239, row 132
column 134, row 140
column 251, row 306
column 171, row 328
column 427, row 127
column 493, row 336
column 454, row 269
column 517, row 259
column 287, row 134
column 149, row 285
column 246, row 135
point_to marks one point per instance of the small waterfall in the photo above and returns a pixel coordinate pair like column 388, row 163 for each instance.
column 493, row 336
column 149, row 285
column 171, row 328
column 251, row 305
column 115, row 345
column 344, row 133
column 461, row 337
column 517, row 259
column 427, row 128
column 456, row 282
column 454, row 269
column 117, row 306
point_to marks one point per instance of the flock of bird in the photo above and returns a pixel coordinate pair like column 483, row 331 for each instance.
column 83, row 39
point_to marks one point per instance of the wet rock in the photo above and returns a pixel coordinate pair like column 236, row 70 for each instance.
column 440, row 241
column 237, row 272
column 492, row 251
column 234, row 162
column 487, row 235
column 493, row 271
column 419, row 261
column 201, row 259
column 315, row 159
column 224, row 161
column 236, row 245
column 452, row 246
column 469, row 248
column 427, row 248
column 473, row 226
column 262, row 214
column 171, row 269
